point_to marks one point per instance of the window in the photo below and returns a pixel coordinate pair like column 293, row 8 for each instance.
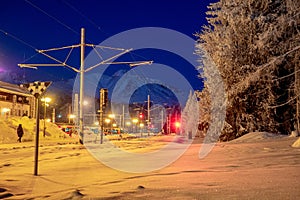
column 2, row 98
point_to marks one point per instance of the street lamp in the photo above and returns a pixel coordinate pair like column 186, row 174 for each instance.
column 85, row 103
column 71, row 116
column 128, row 125
column 177, row 126
column 112, row 116
column 135, row 121
column 107, row 121
column 46, row 100
column 6, row 111
column 141, row 128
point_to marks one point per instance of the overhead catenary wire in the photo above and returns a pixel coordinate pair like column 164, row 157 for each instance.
column 64, row 63
column 140, row 76
column 18, row 39
column 52, row 17
column 95, row 25
column 82, row 15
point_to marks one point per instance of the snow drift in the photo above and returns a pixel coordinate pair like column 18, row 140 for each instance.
column 8, row 129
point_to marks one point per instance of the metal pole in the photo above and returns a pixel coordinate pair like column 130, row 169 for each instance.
column 81, row 95
column 148, row 117
column 45, row 110
column 162, row 119
column 69, row 112
column 102, row 102
column 76, row 109
column 37, row 137
column 53, row 115
column 44, row 130
column 168, row 124
column 123, row 116
column 101, row 126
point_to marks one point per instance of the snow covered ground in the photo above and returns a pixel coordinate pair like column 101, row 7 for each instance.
column 256, row 166
column 8, row 129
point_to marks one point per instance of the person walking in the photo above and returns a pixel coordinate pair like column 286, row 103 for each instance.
column 20, row 132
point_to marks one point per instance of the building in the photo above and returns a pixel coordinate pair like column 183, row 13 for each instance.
column 15, row 101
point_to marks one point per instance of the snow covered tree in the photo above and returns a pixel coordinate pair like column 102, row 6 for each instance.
column 204, row 110
column 255, row 46
column 190, row 115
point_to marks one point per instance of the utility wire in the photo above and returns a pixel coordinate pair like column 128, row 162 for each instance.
column 82, row 15
column 22, row 42
column 52, row 17
column 96, row 25
column 86, row 18
column 18, row 39
column 140, row 76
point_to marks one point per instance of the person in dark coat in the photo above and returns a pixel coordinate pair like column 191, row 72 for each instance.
column 20, row 132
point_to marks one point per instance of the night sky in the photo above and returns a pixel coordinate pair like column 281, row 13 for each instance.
column 26, row 25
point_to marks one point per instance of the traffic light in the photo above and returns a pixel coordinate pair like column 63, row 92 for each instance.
column 141, row 116
column 177, row 124
column 103, row 97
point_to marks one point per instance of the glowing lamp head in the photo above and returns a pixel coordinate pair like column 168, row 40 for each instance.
column 177, row 124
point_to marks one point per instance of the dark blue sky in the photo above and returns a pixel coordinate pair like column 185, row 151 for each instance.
column 43, row 24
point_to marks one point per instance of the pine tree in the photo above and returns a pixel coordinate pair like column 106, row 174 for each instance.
column 204, row 110
column 190, row 115
column 255, row 46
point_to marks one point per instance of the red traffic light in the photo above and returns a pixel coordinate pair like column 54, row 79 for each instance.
column 177, row 124
column 141, row 115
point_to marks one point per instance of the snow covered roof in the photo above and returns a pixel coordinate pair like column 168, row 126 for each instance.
column 14, row 89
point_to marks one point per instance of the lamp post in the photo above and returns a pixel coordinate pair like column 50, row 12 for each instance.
column 141, row 128
column 114, row 125
column 128, row 124
column 6, row 111
column 112, row 116
column 71, row 117
column 107, row 121
column 135, row 121
column 46, row 100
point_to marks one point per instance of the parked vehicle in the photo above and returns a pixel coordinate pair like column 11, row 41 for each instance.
column 68, row 129
column 113, row 131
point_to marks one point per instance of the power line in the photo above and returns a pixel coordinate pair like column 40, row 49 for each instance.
column 27, row 44
column 18, row 39
column 92, row 22
column 22, row 42
column 96, row 25
column 52, row 17
column 82, row 15
column 142, row 76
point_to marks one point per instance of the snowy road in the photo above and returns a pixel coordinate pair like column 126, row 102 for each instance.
column 268, row 169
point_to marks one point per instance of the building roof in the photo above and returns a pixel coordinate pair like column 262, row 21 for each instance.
column 13, row 88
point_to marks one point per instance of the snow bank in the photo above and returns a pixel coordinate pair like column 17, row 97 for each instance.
column 297, row 143
column 8, row 129
column 256, row 137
